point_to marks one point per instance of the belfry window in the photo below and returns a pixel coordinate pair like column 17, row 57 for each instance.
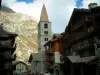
column 45, row 32
column 45, row 39
column 45, row 25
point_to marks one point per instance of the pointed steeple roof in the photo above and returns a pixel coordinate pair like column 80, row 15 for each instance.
column 44, row 15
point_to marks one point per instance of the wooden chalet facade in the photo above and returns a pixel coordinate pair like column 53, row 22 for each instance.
column 7, row 48
column 81, row 40
column 54, row 51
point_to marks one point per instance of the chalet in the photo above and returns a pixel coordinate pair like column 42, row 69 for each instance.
column 20, row 67
column 80, row 41
column 7, row 48
column 54, row 51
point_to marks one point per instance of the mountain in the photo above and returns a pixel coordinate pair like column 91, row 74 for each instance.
column 6, row 9
column 26, row 28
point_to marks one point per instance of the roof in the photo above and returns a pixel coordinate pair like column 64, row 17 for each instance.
column 17, row 62
column 58, row 35
column 78, row 59
column 96, row 10
column 44, row 16
column 47, row 43
column 75, row 13
column 54, row 38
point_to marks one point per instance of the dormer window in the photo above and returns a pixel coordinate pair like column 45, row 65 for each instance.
column 45, row 25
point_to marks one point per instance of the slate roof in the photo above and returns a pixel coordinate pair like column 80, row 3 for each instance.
column 17, row 62
column 57, row 35
column 78, row 59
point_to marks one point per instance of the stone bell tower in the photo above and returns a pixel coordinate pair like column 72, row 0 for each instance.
column 44, row 35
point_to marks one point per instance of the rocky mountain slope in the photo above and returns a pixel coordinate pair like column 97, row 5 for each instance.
column 26, row 28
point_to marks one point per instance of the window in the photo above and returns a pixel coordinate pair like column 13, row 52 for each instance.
column 5, row 43
column 20, row 70
column 45, row 25
column 17, row 69
column 45, row 39
column 45, row 32
column 98, row 45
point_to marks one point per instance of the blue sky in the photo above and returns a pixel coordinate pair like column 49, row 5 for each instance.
column 27, row 1
column 59, row 11
column 79, row 3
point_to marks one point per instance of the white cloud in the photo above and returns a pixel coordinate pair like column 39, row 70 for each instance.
column 8, row 2
column 31, row 9
column 59, row 11
column 59, row 14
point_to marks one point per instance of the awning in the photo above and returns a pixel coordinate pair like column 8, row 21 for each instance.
column 78, row 59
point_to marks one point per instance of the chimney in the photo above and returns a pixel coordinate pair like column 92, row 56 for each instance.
column 92, row 5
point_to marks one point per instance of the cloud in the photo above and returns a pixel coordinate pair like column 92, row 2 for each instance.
column 59, row 14
column 31, row 9
column 59, row 11
column 8, row 2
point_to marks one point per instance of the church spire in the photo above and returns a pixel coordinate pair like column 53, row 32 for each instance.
column 44, row 15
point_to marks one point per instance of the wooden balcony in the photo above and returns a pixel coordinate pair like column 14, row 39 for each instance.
column 83, row 47
column 76, row 36
column 79, row 35
column 49, row 52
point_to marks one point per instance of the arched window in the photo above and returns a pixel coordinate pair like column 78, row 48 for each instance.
column 45, row 25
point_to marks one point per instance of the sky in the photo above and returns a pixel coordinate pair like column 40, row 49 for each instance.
column 59, row 11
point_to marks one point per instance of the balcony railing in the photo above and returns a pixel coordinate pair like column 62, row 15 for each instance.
column 80, row 48
column 78, row 35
